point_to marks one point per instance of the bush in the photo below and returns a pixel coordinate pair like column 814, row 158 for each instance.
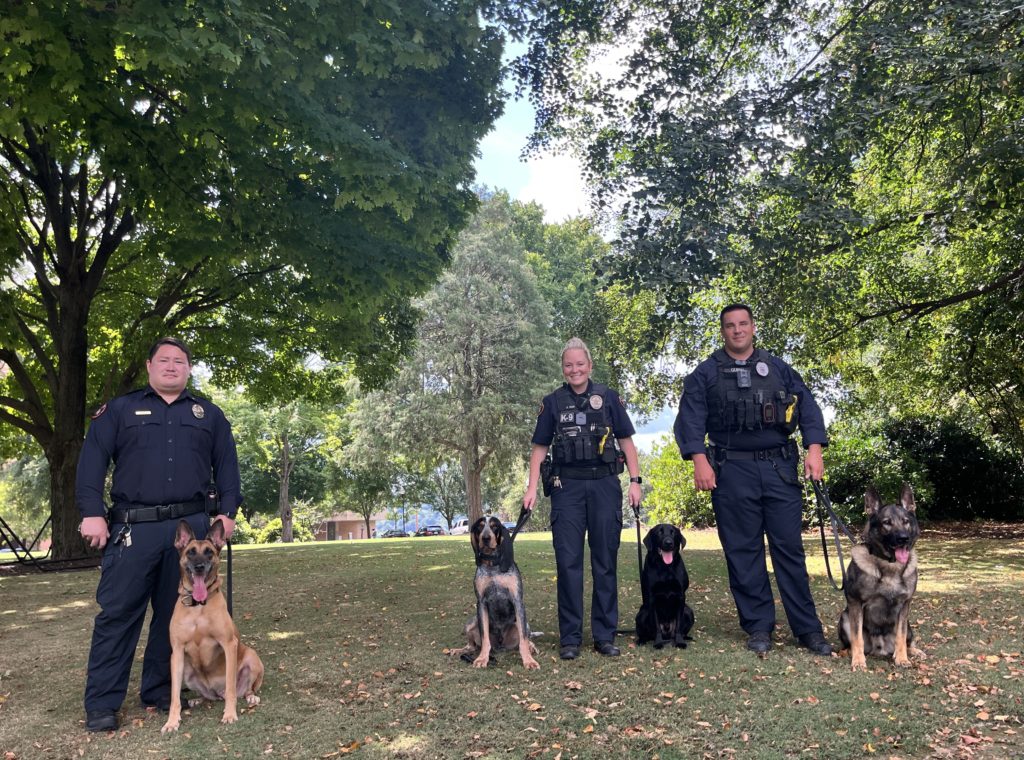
column 955, row 472
column 244, row 532
column 673, row 498
column 271, row 534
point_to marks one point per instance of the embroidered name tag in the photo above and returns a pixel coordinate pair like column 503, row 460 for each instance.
column 142, row 412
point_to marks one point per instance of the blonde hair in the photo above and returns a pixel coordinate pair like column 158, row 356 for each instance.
column 576, row 343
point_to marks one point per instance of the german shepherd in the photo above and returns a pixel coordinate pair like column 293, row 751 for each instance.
column 880, row 583
column 206, row 653
column 500, row 619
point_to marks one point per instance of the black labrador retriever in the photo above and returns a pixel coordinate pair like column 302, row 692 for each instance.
column 664, row 616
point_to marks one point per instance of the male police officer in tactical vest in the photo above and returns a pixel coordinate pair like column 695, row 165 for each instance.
column 747, row 403
column 168, row 447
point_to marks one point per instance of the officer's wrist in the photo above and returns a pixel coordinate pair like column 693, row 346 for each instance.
column 637, row 479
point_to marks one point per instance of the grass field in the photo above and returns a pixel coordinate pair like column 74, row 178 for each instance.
column 354, row 635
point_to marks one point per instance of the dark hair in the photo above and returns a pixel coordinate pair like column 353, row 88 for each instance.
column 171, row 342
column 734, row 307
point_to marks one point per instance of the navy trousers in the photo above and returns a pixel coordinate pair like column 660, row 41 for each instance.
column 753, row 499
column 594, row 508
column 133, row 578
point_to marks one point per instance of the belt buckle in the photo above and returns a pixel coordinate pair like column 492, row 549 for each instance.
column 762, row 455
column 163, row 511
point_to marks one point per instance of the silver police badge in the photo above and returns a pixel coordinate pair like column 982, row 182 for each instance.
column 596, row 402
column 761, row 368
column 198, row 412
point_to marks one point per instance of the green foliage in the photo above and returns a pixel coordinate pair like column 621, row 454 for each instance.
column 673, row 497
column 244, row 533
column 269, row 181
column 271, row 533
column 956, row 473
column 25, row 494
column 854, row 170
column 483, row 359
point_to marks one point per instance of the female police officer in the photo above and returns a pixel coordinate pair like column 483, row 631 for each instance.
column 590, row 434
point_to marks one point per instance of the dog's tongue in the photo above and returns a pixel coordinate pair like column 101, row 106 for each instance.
column 667, row 557
column 199, row 592
column 903, row 555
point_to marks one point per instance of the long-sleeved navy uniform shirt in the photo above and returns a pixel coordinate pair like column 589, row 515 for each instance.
column 162, row 453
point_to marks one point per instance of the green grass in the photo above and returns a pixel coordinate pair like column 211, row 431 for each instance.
column 353, row 636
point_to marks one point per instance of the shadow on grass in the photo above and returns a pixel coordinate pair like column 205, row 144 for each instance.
column 354, row 634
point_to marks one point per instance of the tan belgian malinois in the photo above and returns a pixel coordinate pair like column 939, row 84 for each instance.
column 206, row 653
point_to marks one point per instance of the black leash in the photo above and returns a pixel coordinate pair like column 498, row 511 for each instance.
column 825, row 505
column 524, row 516
column 229, row 580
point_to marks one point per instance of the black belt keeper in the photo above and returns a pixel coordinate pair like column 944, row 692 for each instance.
column 782, row 452
column 156, row 512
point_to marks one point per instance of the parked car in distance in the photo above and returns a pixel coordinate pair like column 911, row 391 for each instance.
column 430, row 530
column 460, row 527
column 394, row 533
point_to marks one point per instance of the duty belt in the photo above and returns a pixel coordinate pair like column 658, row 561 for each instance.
column 586, row 473
column 126, row 512
column 761, row 454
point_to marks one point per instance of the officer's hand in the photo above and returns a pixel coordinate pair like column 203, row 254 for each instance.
column 703, row 473
column 95, row 531
column 529, row 499
column 636, row 494
column 814, row 465
column 229, row 525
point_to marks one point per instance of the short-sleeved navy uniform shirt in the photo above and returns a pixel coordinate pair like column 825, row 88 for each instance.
column 691, row 423
column 547, row 419
column 162, row 453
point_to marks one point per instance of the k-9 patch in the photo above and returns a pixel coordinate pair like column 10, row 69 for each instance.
column 567, row 417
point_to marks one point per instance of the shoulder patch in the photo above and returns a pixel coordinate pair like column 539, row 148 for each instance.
column 99, row 412
column 541, row 410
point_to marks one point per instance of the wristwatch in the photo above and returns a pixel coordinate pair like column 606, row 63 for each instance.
column 637, row 479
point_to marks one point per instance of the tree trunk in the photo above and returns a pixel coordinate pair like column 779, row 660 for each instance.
column 474, row 493
column 283, row 504
column 68, row 425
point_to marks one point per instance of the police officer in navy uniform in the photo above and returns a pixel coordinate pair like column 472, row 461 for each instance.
column 172, row 452
column 590, row 436
column 748, row 403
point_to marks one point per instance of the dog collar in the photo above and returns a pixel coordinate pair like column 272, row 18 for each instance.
column 188, row 601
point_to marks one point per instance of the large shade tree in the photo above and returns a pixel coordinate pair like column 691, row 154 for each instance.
column 484, row 357
column 267, row 180
column 853, row 168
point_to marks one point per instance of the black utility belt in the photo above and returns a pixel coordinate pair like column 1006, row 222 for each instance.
column 587, row 473
column 783, row 452
column 139, row 513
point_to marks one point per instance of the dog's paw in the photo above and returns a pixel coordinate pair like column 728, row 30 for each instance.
column 858, row 662
column 230, row 716
column 195, row 702
column 918, row 653
column 530, row 664
column 901, row 662
column 252, row 700
column 170, row 725
column 481, row 662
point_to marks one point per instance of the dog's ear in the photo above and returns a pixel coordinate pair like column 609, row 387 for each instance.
column 474, row 534
column 907, row 498
column 680, row 538
column 872, row 501
column 183, row 535
column 216, row 535
column 649, row 540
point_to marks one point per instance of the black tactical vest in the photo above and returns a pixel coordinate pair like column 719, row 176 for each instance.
column 583, row 432
column 750, row 395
